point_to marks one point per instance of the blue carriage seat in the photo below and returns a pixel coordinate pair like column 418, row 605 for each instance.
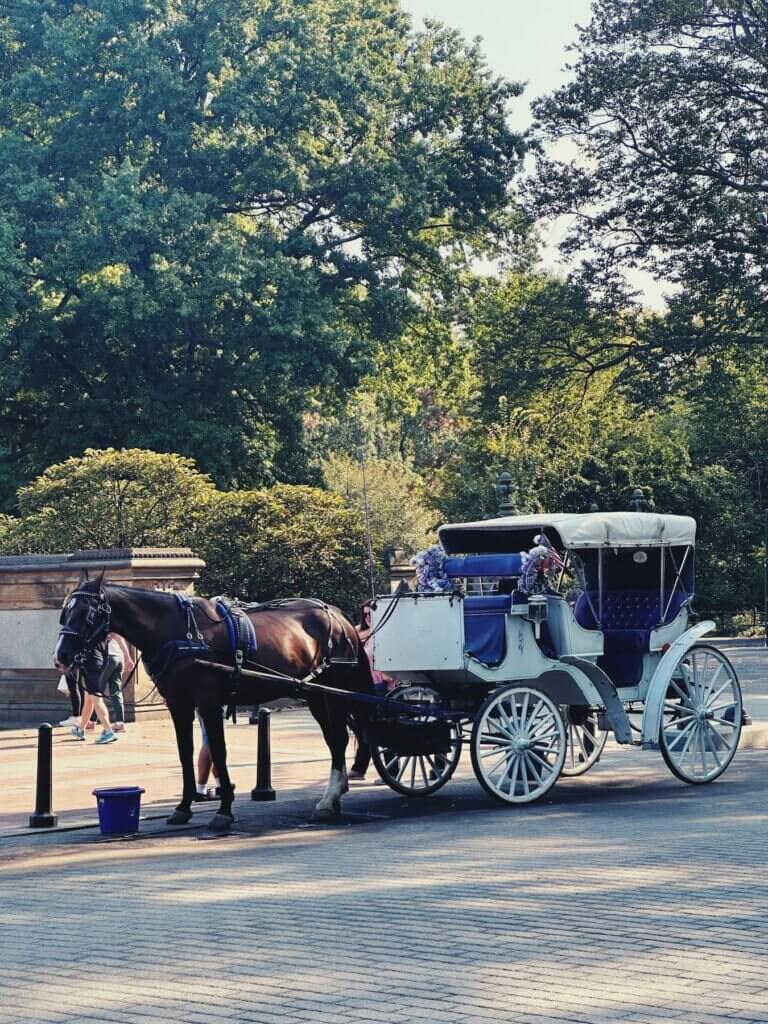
column 485, row 617
column 629, row 617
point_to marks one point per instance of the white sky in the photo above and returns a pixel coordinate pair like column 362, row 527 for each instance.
column 525, row 41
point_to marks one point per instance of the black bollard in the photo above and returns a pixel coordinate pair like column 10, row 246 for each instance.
column 263, row 789
column 44, row 816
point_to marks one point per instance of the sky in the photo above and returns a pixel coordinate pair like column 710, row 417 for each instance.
column 525, row 41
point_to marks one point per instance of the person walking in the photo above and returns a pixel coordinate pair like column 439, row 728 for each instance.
column 93, row 671
column 117, row 669
column 75, row 698
column 205, row 766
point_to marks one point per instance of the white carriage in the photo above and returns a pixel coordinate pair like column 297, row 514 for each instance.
column 537, row 657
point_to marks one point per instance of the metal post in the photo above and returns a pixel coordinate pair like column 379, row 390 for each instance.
column 504, row 490
column 637, row 502
column 44, row 816
column 765, row 576
column 263, row 789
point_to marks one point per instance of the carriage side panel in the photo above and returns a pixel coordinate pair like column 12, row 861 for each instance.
column 420, row 633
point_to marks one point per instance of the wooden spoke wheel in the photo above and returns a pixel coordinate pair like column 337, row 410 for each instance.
column 417, row 774
column 584, row 738
column 518, row 744
column 702, row 717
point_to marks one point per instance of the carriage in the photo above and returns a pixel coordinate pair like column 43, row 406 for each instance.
column 539, row 637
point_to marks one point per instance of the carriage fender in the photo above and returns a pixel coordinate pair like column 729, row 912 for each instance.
column 607, row 696
column 657, row 690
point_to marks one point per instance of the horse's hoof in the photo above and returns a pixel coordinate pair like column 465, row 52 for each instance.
column 179, row 818
column 324, row 814
column 221, row 822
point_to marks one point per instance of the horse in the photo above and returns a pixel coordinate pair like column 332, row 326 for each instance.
column 297, row 638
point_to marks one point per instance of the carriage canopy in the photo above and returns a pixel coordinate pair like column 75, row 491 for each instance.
column 570, row 531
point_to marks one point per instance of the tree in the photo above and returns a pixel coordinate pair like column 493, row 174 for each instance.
column 284, row 541
column 413, row 405
column 537, row 338
column 668, row 109
column 108, row 499
column 399, row 514
column 212, row 212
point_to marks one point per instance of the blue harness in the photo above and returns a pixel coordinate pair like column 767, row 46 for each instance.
column 172, row 650
column 242, row 635
column 240, row 632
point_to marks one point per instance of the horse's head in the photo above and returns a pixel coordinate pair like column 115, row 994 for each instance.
column 84, row 620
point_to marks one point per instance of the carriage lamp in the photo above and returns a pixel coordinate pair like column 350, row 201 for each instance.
column 537, row 612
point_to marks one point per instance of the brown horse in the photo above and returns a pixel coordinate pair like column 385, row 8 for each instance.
column 295, row 639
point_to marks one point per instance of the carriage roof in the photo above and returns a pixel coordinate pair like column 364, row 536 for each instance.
column 570, row 530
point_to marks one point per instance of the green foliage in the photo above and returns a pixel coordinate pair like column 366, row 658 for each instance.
column 282, row 541
column 533, row 339
column 127, row 498
column 571, row 438
column 213, row 211
column 399, row 514
column 412, row 407
column 667, row 108
column 285, row 541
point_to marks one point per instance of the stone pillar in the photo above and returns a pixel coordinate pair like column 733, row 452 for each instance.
column 32, row 591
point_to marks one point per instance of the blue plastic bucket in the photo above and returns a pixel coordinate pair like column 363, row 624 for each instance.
column 119, row 809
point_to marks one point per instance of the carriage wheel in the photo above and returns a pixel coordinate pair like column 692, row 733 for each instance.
column 585, row 740
column 518, row 744
column 417, row 774
column 701, row 722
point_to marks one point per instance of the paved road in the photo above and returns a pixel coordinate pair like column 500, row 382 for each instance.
column 627, row 896
column 146, row 755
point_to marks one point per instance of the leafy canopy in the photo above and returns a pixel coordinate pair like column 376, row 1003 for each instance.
column 212, row 211
column 398, row 512
column 105, row 499
column 280, row 541
column 667, row 109
column 284, row 541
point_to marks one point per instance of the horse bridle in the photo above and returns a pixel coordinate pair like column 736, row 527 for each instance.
column 97, row 620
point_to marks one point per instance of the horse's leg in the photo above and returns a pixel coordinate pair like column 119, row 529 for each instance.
column 183, row 714
column 210, row 712
column 331, row 715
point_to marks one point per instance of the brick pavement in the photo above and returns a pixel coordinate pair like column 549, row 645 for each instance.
column 627, row 897
column 146, row 755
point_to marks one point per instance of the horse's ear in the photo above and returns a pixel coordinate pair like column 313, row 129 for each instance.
column 100, row 579
column 83, row 578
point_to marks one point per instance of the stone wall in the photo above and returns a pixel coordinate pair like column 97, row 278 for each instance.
column 32, row 591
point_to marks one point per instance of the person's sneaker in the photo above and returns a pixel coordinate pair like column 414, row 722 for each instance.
column 77, row 732
column 69, row 721
column 118, row 727
column 90, row 726
column 106, row 737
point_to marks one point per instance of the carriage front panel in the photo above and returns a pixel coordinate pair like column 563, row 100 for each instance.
column 425, row 633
